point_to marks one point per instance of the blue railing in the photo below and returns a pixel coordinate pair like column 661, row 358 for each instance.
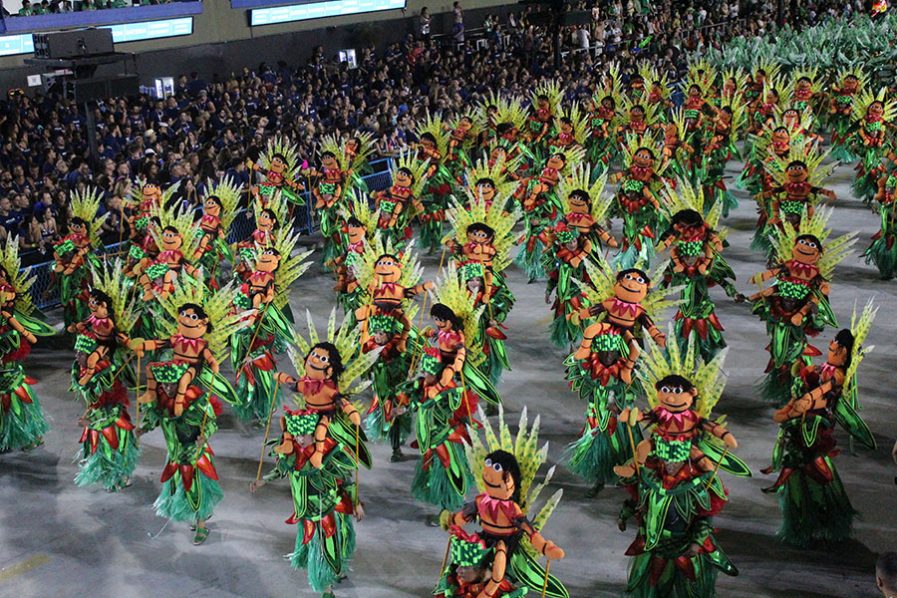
column 46, row 294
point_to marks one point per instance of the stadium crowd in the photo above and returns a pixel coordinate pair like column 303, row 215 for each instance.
column 208, row 128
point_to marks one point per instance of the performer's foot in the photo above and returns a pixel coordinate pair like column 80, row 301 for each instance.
column 595, row 490
column 433, row 520
column 397, row 456
column 201, row 535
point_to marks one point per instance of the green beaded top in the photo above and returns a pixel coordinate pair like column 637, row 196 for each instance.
column 690, row 248
column 301, row 424
column 792, row 290
column 674, row 451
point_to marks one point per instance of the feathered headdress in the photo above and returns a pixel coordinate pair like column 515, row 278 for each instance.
column 20, row 279
column 497, row 172
column 867, row 97
column 859, row 327
column 218, row 306
column 418, row 169
column 580, row 179
column 685, row 196
column 552, row 89
column 359, row 207
column 603, row 278
column 85, row 205
column 834, row 251
column 461, row 216
column 363, row 268
column 229, row 192
column 281, row 144
column 347, row 341
column 435, row 126
column 291, row 267
column 112, row 282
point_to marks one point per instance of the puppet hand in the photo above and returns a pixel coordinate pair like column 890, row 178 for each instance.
column 358, row 511
column 626, row 375
column 432, row 392
column 317, row 459
column 255, row 485
column 730, row 441
column 355, row 419
column 782, row 415
column 446, row 377
column 661, row 341
column 553, row 551
column 635, row 416
column 624, row 415
column 429, row 285
column 739, row 298
column 756, row 279
column 797, row 319
column 70, row 328
column 611, row 242
column 30, row 337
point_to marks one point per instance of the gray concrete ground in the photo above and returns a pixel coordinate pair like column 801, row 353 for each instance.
column 56, row 539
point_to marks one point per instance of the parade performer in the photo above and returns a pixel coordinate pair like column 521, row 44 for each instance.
column 872, row 114
column 264, row 298
column 279, row 164
column 143, row 202
column 360, row 226
column 636, row 200
column 815, row 506
column 849, row 83
column 540, row 207
column 73, row 254
column 334, row 181
column 109, row 450
column 600, row 370
column 434, row 139
column 446, row 396
column 390, row 280
column 22, row 423
column 882, row 252
column 267, row 220
column 501, row 558
column 321, row 448
column 398, row 204
column 481, row 240
column 219, row 209
column 183, row 388
column 178, row 237
column 797, row 304
column 696, row 264
column 570, row 244
column 673, row 483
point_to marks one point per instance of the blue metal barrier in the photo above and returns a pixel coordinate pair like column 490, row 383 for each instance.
column 46, row 295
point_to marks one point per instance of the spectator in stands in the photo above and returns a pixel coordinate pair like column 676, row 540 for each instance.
column 886, row 574
column 423, row 24
column 26, row 10
column 458, row 27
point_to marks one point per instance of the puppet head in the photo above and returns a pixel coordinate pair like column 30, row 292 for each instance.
column 388, row 268
column 632, row 285
column 323, row 362
column 152, row 193
column 266, row 220
column 355, row 230
column 841, row 348
column 193, row 322
column 501, row 476
column 99, row 303
column 445, row 318
column 328, row 160
column 171, row 239
column 807, row 249
column 643, row 158
column 579, row 202
column 268, row 260
column 212, row 206
column 557, row 161
column 78, row 226
column 480, row 233
column 279, row 164
column 404, row 177
column 851, row 83
column 637, row 113
column 796, row 172
column 486, row 189
column 675, row 393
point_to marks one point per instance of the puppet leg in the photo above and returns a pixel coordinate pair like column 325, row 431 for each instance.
column 499, row 567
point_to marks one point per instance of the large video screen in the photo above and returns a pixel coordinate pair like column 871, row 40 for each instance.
column 11, row 45
column 319, row 10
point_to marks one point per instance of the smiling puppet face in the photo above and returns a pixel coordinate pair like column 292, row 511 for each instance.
column 500, row 475
column 807, row 249
column 486, row 189
column 388, row 268
column 171, row 239
column 278, row 164
column 404, row 178
column 579, row 202
column 796, row 172
column 632, row 286
column 675, row 393
column 152, row 193
column 318, row 364
column 268, row 261
column 212, row 206
column 193, row 323
column 266, row 221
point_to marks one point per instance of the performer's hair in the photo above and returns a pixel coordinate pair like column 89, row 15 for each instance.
column 198, row 310
column 101, row 297
column 562, row 156
column 846, row 339
column 428, row 136
column 336, row 361
column 282, row 159
column 510, row 466
column 503, row 128
column 483, row 227
column 353, row 221
column 484, row 180
column 674, row 380
column 216, row 199
column 389, row 255
column 444, row 312
column 80, row 221
column 327, row 154
column 171, row 229
column 686, row 217
column 407, row 172
column 634, row 271
column 886, row 570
